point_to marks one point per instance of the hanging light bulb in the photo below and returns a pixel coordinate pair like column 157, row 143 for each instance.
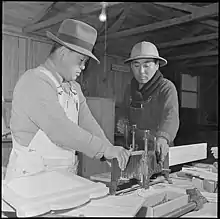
column 102, row 16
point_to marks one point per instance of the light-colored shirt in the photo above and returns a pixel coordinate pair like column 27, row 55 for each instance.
column 36, row 106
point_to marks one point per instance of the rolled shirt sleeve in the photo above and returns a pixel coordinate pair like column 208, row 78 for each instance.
column 169, row 122
column 40, row 104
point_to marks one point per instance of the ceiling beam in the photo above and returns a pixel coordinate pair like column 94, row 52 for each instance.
column 209, row 11
column 116, row 26
column 75, row 12
column 210, row 23
column 179, row 6
column 196, row 55
column 42, row 13
column 17, row 31
column 202, row 64
column 189, row 40
column 188, row 8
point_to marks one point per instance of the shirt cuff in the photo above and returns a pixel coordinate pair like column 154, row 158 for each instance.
column 164, row 135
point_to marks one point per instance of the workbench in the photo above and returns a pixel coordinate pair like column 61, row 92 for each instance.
column 130, row 204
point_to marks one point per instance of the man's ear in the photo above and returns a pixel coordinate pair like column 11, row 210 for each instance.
column 131, row 66
column 62, row 51
column 157, row 64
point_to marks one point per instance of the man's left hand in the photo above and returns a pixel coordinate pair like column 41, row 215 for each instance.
column 162, row 148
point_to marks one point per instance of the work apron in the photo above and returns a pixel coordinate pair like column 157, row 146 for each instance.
column 141, row 114
column 144, row 114
column 42, row 154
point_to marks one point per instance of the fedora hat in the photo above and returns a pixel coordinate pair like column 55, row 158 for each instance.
column 77, row 36
column 145, row 50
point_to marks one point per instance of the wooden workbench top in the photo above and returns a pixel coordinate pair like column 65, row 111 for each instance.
column 130, row 204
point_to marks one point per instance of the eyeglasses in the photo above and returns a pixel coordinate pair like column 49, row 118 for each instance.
column 82, row 61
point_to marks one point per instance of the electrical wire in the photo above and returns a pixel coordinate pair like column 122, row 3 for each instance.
column 105, row 45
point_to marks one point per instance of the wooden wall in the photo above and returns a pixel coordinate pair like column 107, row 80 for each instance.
column 109, row 83
column 19, row 54
column 195, row 125
column 103, row 110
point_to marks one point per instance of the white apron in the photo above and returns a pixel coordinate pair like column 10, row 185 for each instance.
column 41, row 154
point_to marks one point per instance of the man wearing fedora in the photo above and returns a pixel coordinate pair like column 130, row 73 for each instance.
column 50, row 119
column 153, row 100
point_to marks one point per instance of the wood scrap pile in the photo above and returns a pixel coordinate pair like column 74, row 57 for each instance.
column 205, row 176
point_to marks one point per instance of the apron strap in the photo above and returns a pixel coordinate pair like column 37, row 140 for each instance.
column 49, row 74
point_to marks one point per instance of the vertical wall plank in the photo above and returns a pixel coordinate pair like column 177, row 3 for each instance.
column 29, row 58
column 40, row 52
column 22, row 56
column 109, row 84
column 10, row 63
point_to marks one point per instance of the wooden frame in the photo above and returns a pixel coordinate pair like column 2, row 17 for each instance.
column 202, row 13
column 188, row 8
column 189, row 40
column 75, row 12
column 202, row 64
column 196, row 55
column 176, row 200
column 42, row 13
column 116, row 26
column 16, row 31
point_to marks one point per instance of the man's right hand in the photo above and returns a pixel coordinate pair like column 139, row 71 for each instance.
column 120, row 153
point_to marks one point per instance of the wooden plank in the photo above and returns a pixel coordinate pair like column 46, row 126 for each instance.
column 29, row 53
column 202, row 64
column 110, row 206
column 201, row 172
column 188, row 8
column 40, row 52
column 209, row 11
column 152, row 198
column 169, row 206
column 42, row 13
column 22, row 56
column 62, row 16
column 189, row 40
column 210, row 23
column 180, row 6
column 196, row 55
column 116, row 26
column 16, row 31
column 37, row 200
column 10, row 64
column 187, row 153
column 11, row 28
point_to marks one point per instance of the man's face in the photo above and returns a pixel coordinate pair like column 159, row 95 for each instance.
column 72, row 63
column 144, row 69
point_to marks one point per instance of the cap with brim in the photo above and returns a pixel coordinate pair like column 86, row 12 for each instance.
column 162, row 61
column 145, row 50
column 72, row 46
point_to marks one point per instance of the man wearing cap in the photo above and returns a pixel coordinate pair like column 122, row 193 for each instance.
column 50, row 119
column 153, row 103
